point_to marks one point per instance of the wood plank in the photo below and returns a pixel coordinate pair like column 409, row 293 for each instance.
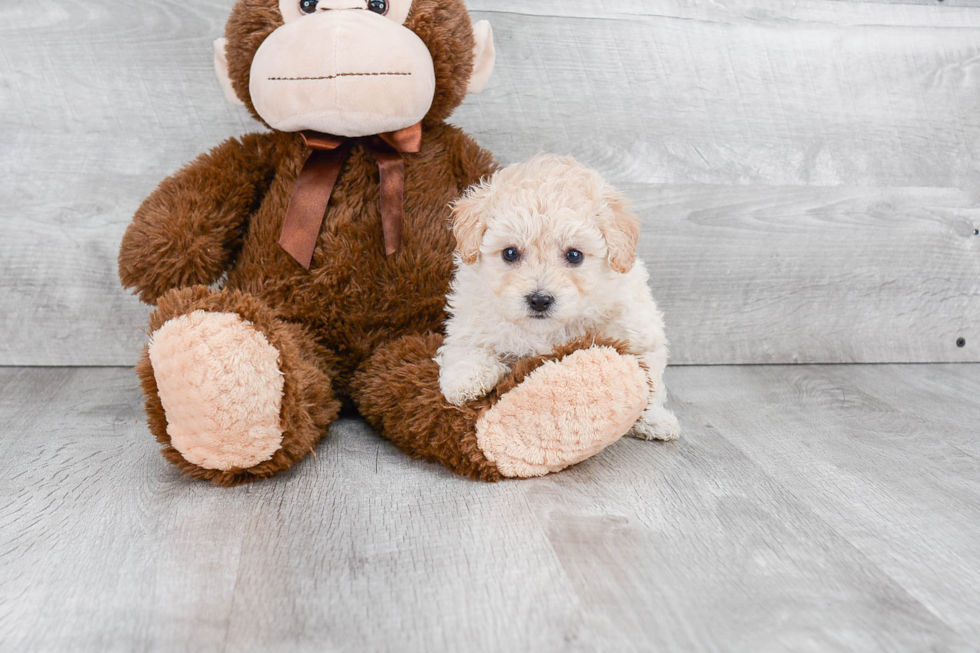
column 734, row 93
column 954, row 13
column 805, row 508
column 813, row 274
column 105, row 99
column 837, row 142
column 888, row 457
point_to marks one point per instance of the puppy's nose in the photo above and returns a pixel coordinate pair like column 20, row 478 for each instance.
column 540, row 302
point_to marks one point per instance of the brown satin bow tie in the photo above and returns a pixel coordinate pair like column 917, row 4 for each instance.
column 314, row 187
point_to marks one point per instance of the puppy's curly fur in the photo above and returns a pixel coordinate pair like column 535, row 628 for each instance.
column 546, row 252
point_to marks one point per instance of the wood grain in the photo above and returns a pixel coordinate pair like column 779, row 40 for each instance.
column 807, row 171
column 807, row 274
column 805, row 508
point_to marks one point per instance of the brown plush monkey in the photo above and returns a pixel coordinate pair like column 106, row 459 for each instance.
column 317, row 310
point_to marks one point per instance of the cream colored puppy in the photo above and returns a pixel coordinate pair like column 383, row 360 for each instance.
column 546, row 252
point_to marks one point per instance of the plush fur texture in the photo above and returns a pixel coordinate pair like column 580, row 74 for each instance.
column 398, row 392
column 219, row 381
column 556, row 419
column 357, row 327
column 308, row 404
column 540, row 211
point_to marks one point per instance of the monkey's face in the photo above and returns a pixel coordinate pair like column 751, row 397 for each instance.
column 354, row 67
column 347, row 67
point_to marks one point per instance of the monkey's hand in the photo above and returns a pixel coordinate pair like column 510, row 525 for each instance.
column 189, row 230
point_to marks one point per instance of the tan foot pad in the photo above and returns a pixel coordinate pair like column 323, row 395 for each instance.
column 221, row 388
column 563, row 413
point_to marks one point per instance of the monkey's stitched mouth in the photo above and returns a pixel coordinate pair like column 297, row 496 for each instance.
column 328, row 77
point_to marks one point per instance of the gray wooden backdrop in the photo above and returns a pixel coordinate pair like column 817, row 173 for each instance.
column 808, row 171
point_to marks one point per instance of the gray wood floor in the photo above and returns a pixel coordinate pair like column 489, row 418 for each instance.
column 806, row 508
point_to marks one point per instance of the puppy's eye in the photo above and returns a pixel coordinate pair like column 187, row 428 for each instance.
column 511, row 255
column 378, row 6
column 574, row 257
column 308, row 6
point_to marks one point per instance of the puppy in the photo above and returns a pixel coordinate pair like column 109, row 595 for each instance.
column 546, row 252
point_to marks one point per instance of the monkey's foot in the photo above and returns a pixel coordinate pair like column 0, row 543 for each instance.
column 233, row 393
column 221, row 387
column 563, row 413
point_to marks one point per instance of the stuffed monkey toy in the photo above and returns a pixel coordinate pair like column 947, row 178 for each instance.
column 303, row 270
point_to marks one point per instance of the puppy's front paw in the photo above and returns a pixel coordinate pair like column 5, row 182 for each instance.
column 462, row 383
column 656, row 423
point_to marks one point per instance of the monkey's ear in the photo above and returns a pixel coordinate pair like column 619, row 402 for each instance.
column 221, row 69
column 486, row 57
column 470, row 222
column 621, row 229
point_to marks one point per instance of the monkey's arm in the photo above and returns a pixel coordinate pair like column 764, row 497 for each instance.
column 190, row 229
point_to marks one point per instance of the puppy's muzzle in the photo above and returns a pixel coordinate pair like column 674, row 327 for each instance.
column 540, row 303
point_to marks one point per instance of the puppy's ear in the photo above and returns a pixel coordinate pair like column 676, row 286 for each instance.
column 470, row 222
column 621, row 229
